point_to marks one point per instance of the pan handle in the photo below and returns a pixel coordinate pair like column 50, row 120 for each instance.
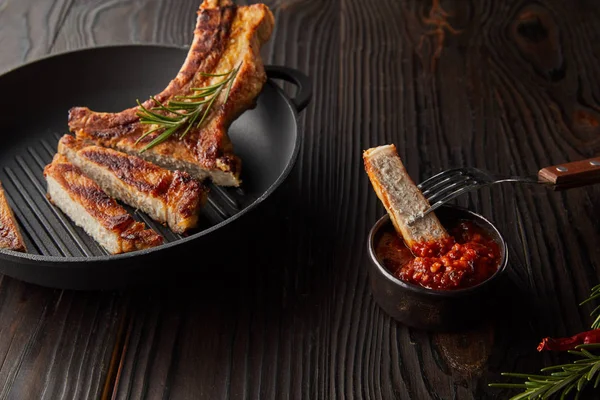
column 304, row 93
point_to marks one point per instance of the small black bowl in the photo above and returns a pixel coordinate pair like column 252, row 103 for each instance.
column 429, row 309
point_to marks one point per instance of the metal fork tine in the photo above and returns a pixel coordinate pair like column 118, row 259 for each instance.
column 441, row 176
column 451, row 183
column 443, row 184
column 449, row 189
column 451, row 196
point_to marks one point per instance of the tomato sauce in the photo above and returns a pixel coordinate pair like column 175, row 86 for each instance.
column 467, row 258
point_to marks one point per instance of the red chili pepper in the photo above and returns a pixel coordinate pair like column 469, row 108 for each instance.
column 564, row 344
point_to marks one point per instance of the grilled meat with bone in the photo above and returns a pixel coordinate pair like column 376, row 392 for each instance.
column 10, row 236
column 82, row 200
column 226, row 37
column 171, row 197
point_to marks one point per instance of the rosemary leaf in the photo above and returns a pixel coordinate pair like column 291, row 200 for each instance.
column 201, row 93
column 525, row 376
column 595, row 311
column 521, row 396
column 147, row 133
column 568, row 389
column 595, row 294
column 214, row 86
column 539, row 392
column 587, row 353
column 596, row 323
column 555, row 367
column 192, row 97
column 230, row 85
column 187, row 103
column 593, row 371
column 582, row 382
column 588, row 346
column 597, row 381
column 160, row 138
column 565, row 383
column 161, row 106
column 180, row 114
column 208, row 107
column 192, row 121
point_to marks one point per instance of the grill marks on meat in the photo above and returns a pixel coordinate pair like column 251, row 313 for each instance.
column 171, row 197
column 226, row 36
column 10, row 235
column 82, row 200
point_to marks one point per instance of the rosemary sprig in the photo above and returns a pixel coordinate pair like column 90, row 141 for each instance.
column 561, row 379
column 182, row 113
column 566, row 378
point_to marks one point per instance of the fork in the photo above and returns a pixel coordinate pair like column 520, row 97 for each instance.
column 451, row 183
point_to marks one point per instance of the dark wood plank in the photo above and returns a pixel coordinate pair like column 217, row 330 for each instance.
column 29, row 29
column 514, row 90
column 92, row 23
column 55, row 344
column 301, row 322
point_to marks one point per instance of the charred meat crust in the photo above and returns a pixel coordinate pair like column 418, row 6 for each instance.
column 180, row 195
column 226, row 36
column 10, row 236
column 102, row 207
column 210, row 37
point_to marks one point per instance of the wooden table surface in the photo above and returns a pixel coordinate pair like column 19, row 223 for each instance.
column 514, row 88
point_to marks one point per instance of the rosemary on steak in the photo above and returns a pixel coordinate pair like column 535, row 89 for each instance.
column 180, row 114
column 569, row 378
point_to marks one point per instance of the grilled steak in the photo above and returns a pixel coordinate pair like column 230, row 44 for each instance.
column 82, row 200
column 171, row 197
column 10, row 236
column 401, row 197
column 226, row 36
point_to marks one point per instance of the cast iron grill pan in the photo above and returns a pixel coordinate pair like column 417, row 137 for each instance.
column 33, row 113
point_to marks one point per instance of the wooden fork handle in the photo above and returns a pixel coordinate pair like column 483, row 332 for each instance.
column 574, row 174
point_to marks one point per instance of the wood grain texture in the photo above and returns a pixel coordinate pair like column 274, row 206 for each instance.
column 100, row 23
column 480, row 96
column 55, row 344
column 29, row 29
column 509, row 86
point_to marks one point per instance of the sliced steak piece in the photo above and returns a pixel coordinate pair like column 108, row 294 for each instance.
column 82, row 200
column 169, row 197
column 10, row 236
column 401, row 197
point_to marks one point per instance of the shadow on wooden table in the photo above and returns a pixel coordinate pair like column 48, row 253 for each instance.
column 233, row 299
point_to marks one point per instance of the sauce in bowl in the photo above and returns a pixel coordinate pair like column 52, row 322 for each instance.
column 467, row 258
